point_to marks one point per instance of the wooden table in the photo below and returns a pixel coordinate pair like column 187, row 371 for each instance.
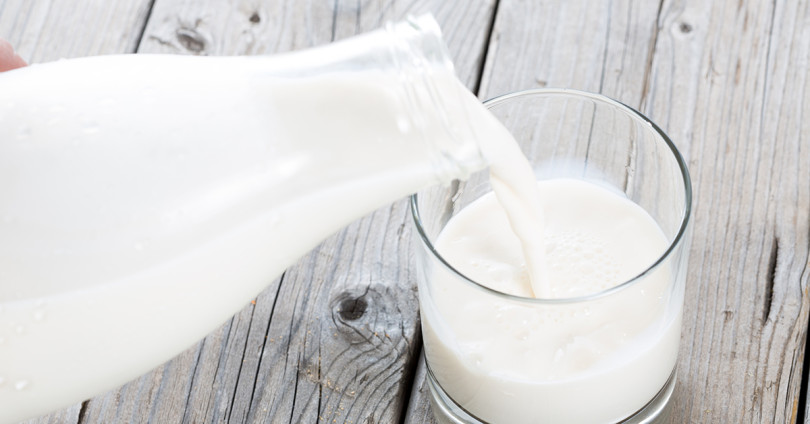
column 336, row 339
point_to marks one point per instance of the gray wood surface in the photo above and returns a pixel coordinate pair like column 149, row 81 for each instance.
column 336, row 338
column 728, row 81
column 45, row 30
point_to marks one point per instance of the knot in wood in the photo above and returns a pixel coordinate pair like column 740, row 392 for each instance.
column 685, row 28
column 254, row 18
column 191, row 40
column 352, row 308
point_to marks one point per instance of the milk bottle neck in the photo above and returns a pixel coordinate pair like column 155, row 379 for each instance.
column 438, row 104
column 414, row 64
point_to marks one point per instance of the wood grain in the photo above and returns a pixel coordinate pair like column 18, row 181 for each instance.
column 68, row 415
column 45, row 30
column 728, row 81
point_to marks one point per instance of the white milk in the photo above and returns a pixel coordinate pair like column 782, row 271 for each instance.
column 508, row 361
column 512, row 180
column 121, row 244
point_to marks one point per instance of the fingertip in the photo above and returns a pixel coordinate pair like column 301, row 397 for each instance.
column 8, row 58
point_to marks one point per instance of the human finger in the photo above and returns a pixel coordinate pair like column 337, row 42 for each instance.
column 8, row 59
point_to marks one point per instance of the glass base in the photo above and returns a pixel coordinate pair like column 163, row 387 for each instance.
column 447, row 411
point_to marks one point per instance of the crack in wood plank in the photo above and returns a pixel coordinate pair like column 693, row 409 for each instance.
column 645, row 83
column 803, row 406
column 83, row 412
column 142, row 30
column 488, row 41
column 769, row 280
column 799, row 412
column 295, row 391
column 193, row 375
column 264, row 343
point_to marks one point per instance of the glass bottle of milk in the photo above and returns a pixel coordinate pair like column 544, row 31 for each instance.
column 145, row 199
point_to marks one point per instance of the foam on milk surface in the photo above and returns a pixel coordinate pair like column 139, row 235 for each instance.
column 585, row 229
column 510, row 362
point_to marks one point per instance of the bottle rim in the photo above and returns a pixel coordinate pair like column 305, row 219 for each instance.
column 419, row 52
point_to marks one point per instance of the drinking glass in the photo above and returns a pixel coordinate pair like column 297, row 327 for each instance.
column 564, row 134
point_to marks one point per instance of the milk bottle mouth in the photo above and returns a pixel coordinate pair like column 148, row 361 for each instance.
column 679, row 238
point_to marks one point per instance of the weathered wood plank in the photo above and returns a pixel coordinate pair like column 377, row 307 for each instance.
column 419, row 408
column 729, row 83
column 68, row 415
column 597, row 47
column 45, row 30
column 337, row 337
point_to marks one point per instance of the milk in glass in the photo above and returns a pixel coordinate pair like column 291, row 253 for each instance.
column 508, row 361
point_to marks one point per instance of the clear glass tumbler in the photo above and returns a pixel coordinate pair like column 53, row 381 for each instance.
column 596, row 377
